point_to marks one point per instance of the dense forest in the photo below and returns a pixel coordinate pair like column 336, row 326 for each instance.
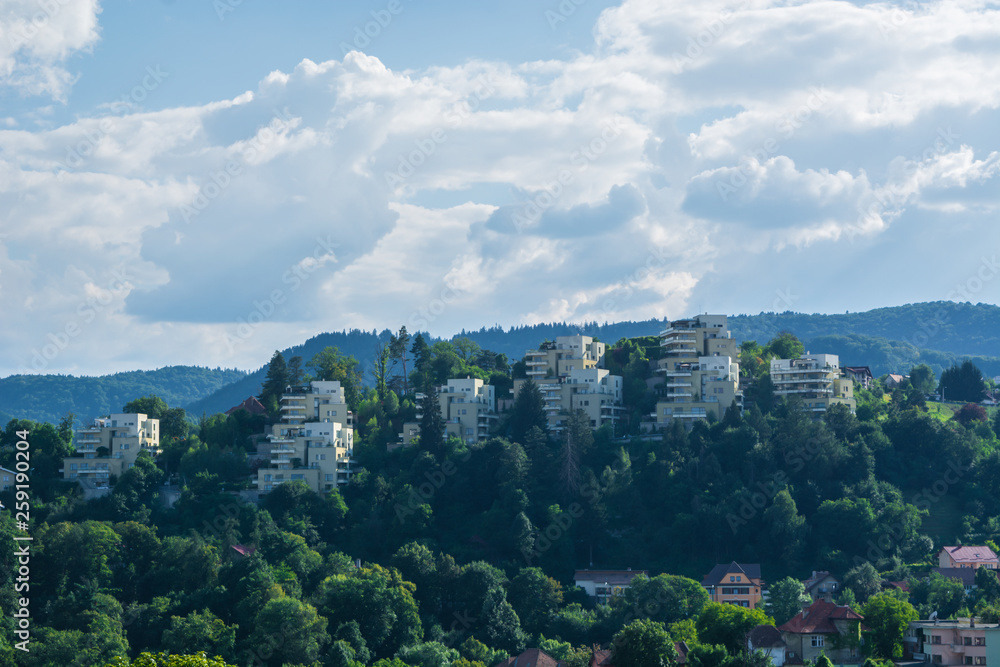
column 452, row 554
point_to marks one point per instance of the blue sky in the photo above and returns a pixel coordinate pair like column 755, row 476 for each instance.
column 204, row 182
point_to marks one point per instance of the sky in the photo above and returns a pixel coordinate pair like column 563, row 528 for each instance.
column 205, row 182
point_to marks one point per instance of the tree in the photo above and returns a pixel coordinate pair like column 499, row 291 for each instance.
column 276, row 380
column 642, row 643
column 962, row 383
column 397, row 349
column 887, row 618
column 728, row 625
column 785, row 346
column 987, row 584
column 922, row 379
column 200, row 631
column 289, row 631
column 296, row 375
column 167, row 660
column 421, row 363
column 432, row 423
column 786, row 599
column 381, row 369
column 970, row 413
column 330, row 364
column 529, row 411
column 863, row 580
column 535, row 597
column 665, row 598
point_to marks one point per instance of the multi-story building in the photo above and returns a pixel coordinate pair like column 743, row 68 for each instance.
column 817, row 379
column 702, row 371
column 694, row 391
column 595, row 391
column 738, row 584
column 962, row 641
column 468, row 407
column 110, row 446
column 554, row 360
column 314, row 442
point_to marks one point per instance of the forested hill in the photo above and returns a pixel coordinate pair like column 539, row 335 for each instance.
column 50, row 397
column 958, row 328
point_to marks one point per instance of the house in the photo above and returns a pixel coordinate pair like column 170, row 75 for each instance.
column 893, row 380
column 533, row 657
column 817, row 379
column 821, row 583
column 468, row 407
column 7, row 479
column 110, row 446
column 861, row 375
column 738, row 584
column 603, row 584
column 966, row 575
column 251, row 405
column 970, row 557
column 600, row 657
column 961, row 641
column 700, row 363
column 823, row 628
column 681, row 649
column 768, row 639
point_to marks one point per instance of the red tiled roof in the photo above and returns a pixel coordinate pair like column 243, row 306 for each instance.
column 682, row 652
column 600, row 657
column 251, row 405
column 970, row 554
column 245, row 551
column 533, row 657
column 819, row 617
column 765, row 636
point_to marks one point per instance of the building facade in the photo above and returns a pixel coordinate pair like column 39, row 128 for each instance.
column 961, row 641
column 736, row 583
column 816, row 379
column 314, row 442
column 823, row 628
column 109, row 446
column 602, row 585
column 570, row 375
column 967, row 557
column 700, row 364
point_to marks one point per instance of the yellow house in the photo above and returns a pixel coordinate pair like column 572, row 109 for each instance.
column 110, row 446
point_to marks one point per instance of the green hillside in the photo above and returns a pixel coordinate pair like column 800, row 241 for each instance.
column 50, row 397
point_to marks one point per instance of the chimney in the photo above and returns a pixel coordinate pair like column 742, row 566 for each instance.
column 805, row 608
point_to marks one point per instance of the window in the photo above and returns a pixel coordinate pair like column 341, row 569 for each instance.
column 968, row 659
column 980, row 641
column 732, row 578
column 267, row 478
column 967, row 641
column 935, row 639
column 980, row 660
column 297, row 476
column 817, row 641
column 329, row 477
column 72, row 466
column 936, row 659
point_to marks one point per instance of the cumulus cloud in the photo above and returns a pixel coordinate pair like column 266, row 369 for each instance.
column 699, row 156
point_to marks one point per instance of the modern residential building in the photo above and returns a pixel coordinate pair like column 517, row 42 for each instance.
column 700, row 390
column 468, row 407
column 823, row 628
column 817, row 379
column 967, row 557
column 700, row 364
column 962, row 641
column 570, row 375
column 605, row 584
column 109, row 446
column 821, row 583
column 738, row 584
column 314, row 442
column 7, row 479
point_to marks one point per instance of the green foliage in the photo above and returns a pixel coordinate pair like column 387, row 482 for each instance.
column 642, row 643
column 330, row 364
column 786, row 598
column 728, row 625
column 166, row 660
column 200, row 631
column 863, row 581
column 887, row 618
column 962, row 383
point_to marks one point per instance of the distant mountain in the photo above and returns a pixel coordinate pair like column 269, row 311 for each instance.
column 50, row 397
column 891, row 356
column 958, row 328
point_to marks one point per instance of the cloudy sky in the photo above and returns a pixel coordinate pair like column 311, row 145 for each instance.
column 204, row 182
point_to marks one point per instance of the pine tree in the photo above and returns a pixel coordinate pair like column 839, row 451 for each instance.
column 432, row 424
column 276, row 380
